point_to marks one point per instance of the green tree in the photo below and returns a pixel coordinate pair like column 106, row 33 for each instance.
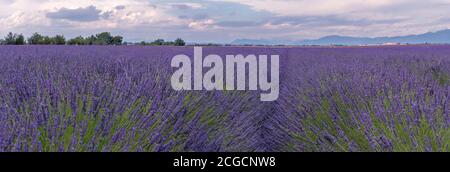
column 46, row 40
column 158, row 42
column 10, row 39
column 103, row 38
column 77, row 41
column 90, row 40
column 36, row 38
column 179, row 42
column 14, row 39
column 143, row 43
column 169, row 43
column 58, row 40
column 20, row 39
column 117, row 40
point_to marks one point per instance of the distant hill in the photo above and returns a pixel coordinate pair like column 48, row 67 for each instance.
column 439, row 37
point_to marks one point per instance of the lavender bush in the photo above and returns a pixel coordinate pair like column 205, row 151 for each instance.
column 119, row 98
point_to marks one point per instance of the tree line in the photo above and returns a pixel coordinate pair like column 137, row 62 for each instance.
column 159, row 42
column 104, row 38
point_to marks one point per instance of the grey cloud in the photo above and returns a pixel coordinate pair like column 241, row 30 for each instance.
column 183, row 17
column 200, row 17
column 238, row 23
column 181, row 6
column 120, row 7
column 90, row 13
column 309, row 21
column 106, row 15
column 195, row 17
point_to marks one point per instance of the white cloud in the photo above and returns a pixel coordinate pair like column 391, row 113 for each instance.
column 22, row 19
column 136, row 13
column 185, row 5
column 201, row 25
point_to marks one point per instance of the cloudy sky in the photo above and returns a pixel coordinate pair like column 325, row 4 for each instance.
column 224, row 20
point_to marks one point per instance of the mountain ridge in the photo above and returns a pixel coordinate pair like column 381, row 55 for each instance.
column 438, row 37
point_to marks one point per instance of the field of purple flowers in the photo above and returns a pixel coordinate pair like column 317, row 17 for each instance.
column 119, row 98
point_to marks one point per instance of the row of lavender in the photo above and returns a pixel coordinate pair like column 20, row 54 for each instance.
column 368, row 99
column 94, row 98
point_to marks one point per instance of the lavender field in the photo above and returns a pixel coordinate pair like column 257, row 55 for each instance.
column 119, row 98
